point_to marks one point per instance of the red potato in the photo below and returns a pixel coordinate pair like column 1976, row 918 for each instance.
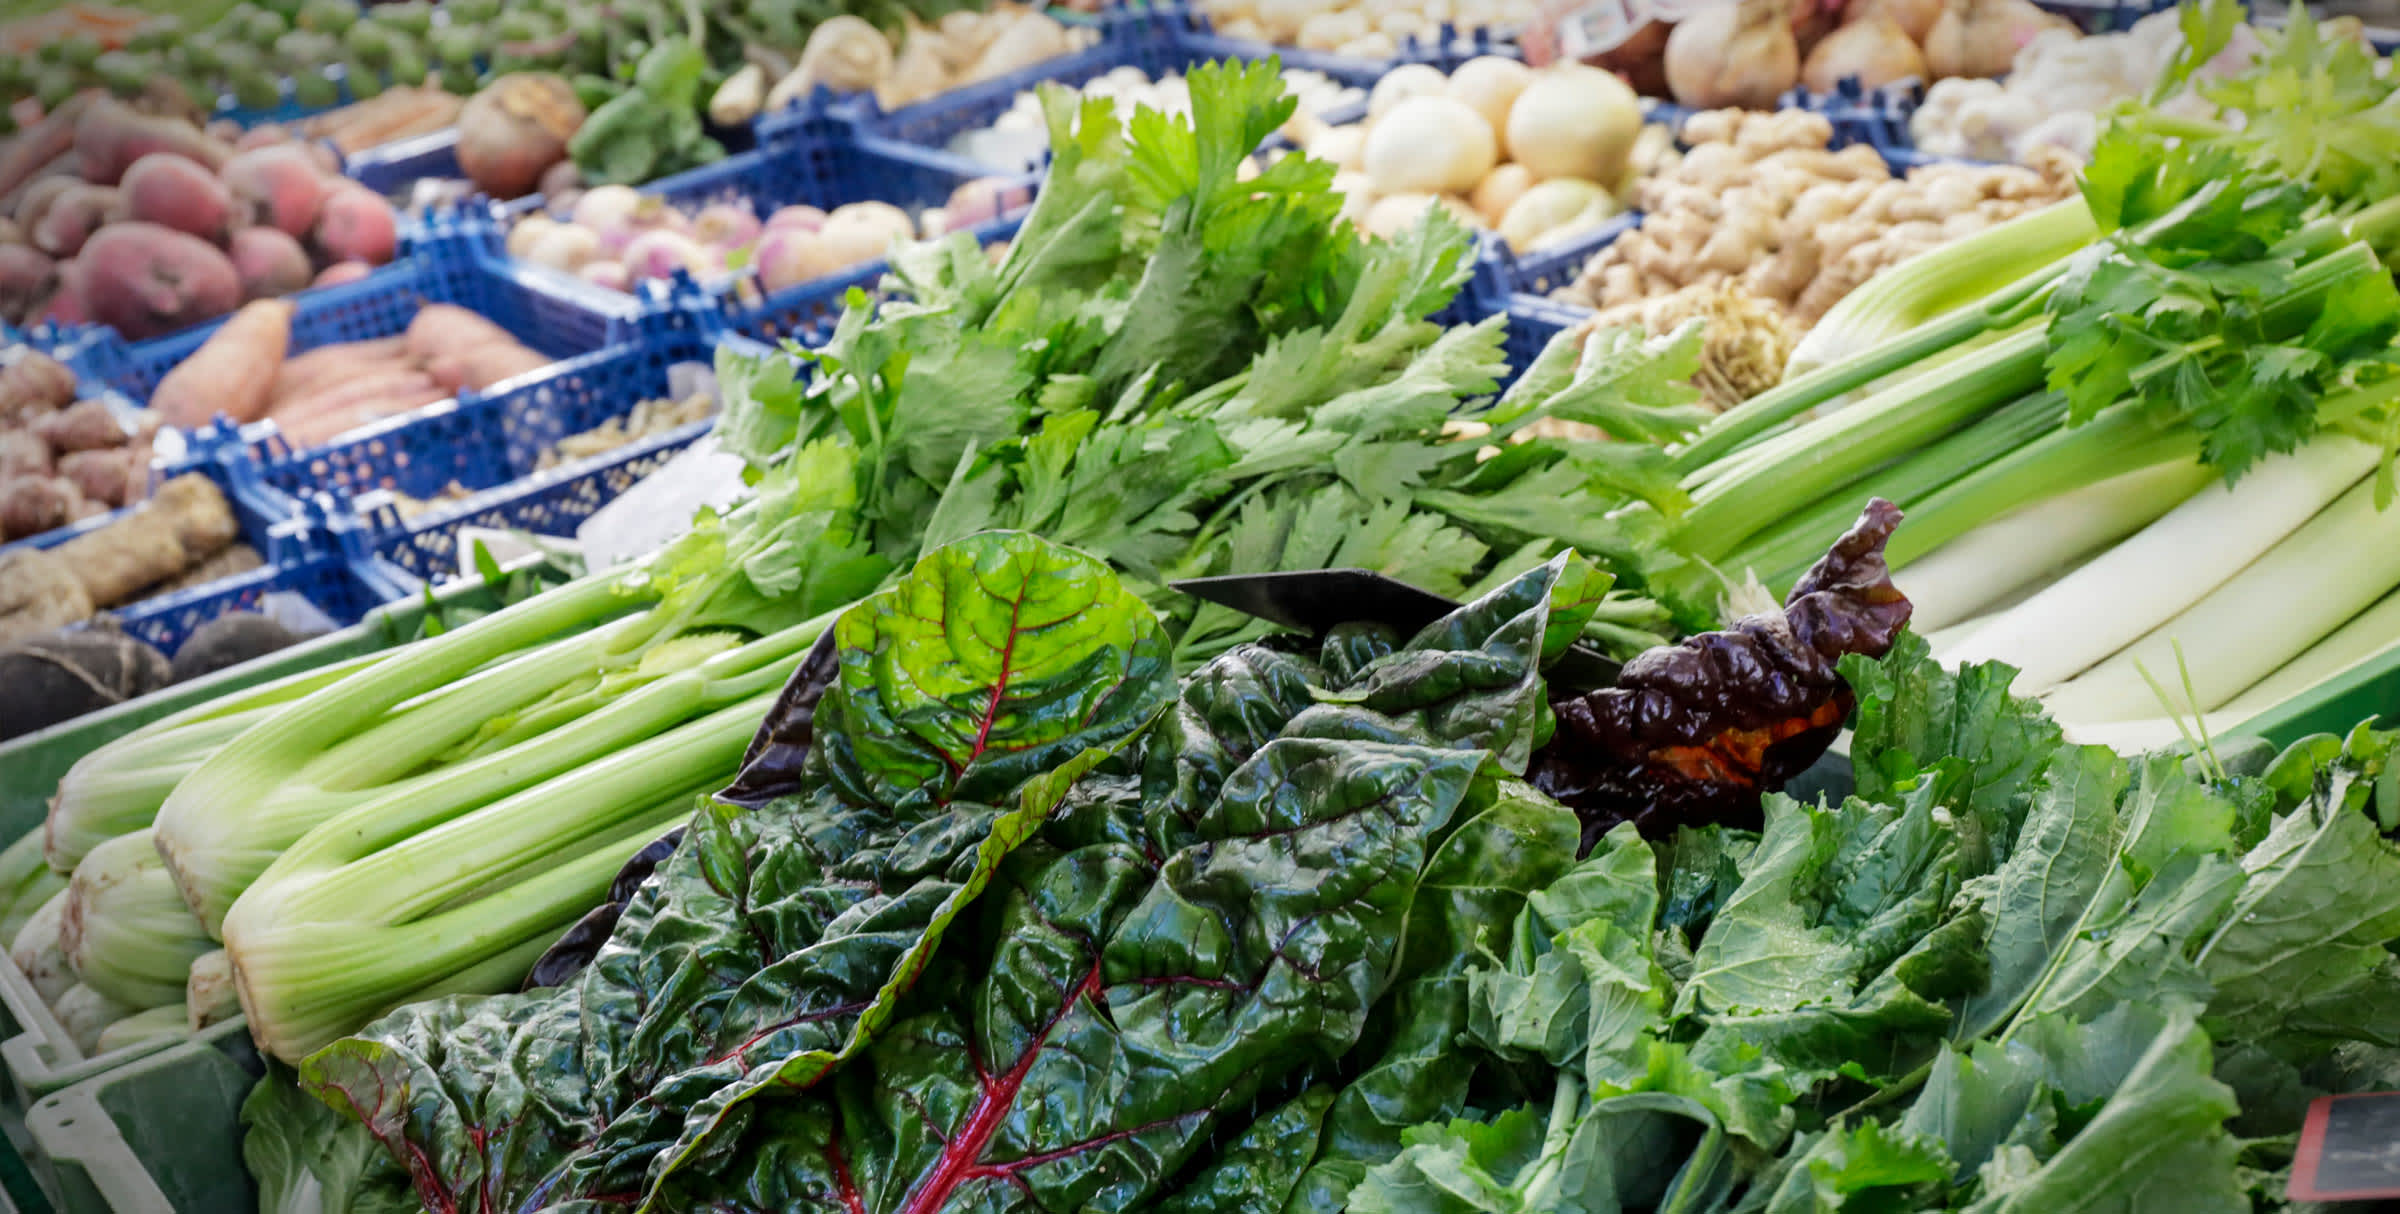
column 86, row 425
column 149, row 281
column 341, row 272
column 279, row 185
column 73, row 217
column 269, row 263
column 356, row 224
column 36, row 200
column 111, row 135
column 173, row 192
column 36, row 504
column 28, row 278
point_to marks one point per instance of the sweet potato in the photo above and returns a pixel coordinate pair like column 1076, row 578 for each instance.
column 481, row 367
column 73, row 217
column 31, row 505
column 269, row 263
column 28, row 278
column 34, row 386
column 111, row 477
column 352, row 403
column 305, row 372
column 279, row 186
column 86, row 425
column 149, row 281
column 22, row 454
column 174, row 192
column 232, row 372
column 111, row 135
column 37, row 199
column 354, row 223
column 43, row 142
column 440, row 330
column 341, row 272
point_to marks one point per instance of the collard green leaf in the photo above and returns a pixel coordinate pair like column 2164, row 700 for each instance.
column 306, row 1159
column 1581, row 989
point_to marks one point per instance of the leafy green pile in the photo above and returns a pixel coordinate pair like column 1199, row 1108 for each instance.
column 2006, row 975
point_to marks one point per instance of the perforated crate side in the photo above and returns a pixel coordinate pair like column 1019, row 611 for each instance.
column 1542, row 271
column 1533, row 322
column 548, row 503
column 486, row 440
column 334, row 586
column 394, row 167
column 769, row 176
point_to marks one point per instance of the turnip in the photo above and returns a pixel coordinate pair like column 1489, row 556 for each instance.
column 149, row 281
column 269, row 263
column 1575, row 121
column 1344, row 147
column 1557, row 204
column 609, row 274
column 981, row 201
column 660, row 252
column 279, row 186
column 562, row 183
column 787, row 257
column 356, row 224
column 528, row 231
column 863, row 231
column 725, row 225
column 1499, row 190
column 1432, row 145
column 169, row 190
column 606, row 207
column 565, row 246
column 802, row 218
column 72, row 219
column 515, row 130
column 1358, row 196
column 1391, row 216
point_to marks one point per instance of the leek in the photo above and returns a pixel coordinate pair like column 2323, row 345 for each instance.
column 2328, row 571
column 2141, row 583
column 1972, row 575
column 125, row 929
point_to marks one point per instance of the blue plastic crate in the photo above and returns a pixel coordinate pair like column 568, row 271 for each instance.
column 396, row 166
column 1533, row 322
column 342, row 590
column 551, row 312
column 511, row 429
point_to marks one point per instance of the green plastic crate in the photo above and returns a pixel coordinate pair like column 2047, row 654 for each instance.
column 161, row 1136
column 2369, row 690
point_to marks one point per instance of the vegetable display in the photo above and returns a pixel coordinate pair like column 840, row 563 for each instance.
column 1020, row 136
column 61, row 459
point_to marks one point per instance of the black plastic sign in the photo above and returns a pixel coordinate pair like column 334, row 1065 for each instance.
column 2349, row 1149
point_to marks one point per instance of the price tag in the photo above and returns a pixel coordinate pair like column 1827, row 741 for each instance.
column 2349, row 1149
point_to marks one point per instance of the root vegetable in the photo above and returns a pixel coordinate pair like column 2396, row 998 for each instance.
column 229, row 640
column 280, row 187
column 1873, row 49
column 566, row 247
column 324, row 422
column 515, row 130
column 982, row 200
column 863, row 231
column 28, row 278
column 306, row 372
column 65, row 675
column 1344, row 147
column 1982, row 37
column 269, row 263
column 241, row 558
column 528, row 232
column 1391, row 216
column 1575, row 121
column 71, row 219
column 35, row 504
column 725, row 225
column 23, row 455
column 1551, row 206
column 110, row 136
column 341, row 272
column 606, row 207
column 1490, row 85
column 1026, row 41
column 174, row 192
column 149, row 281
column 805, row 218
column 1739, row 54
column 1499, row 190
column 485, row 366
column 1402, row 83
column 844, row 53
column 83, row 426
column 1914, row 17
column 233, row 372
column 53, row 136
column 609, row 274
column 36, row 200
column 442, row 329
column 660, row 252
column 356, row 224
column 739, row 99
column 111, row 477
column 1431, row 145
column 787, row 257
column 34, row 386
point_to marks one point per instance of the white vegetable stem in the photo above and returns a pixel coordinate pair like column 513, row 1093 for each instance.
column 2124, row 595
column 2302, row 590
column 1972, row 574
